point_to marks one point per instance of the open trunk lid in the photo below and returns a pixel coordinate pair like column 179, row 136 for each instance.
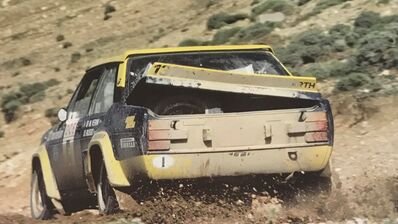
column 230, row 81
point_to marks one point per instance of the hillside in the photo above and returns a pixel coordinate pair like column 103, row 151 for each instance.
column 351, row 46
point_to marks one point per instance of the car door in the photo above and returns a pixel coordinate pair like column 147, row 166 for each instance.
column 66, row 155
column 102, row 100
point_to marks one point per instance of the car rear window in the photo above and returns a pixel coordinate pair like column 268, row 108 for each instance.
column 257, row 62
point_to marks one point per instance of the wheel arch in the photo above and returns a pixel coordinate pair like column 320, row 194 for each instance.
column 40, row 160
column 100, row 147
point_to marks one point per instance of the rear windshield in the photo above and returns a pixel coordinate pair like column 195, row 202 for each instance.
column 258, row 62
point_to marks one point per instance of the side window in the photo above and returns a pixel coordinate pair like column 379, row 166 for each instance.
column 81, row 102
column 104, row 95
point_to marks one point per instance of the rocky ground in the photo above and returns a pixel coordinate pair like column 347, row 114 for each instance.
column 43, row 39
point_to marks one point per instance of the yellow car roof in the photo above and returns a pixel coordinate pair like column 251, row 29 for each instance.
column 128, row 53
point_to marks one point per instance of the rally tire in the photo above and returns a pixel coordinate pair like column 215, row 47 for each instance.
column 40, row 205
column 107, row 200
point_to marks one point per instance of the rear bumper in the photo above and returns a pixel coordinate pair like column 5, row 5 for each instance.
column 238, row 163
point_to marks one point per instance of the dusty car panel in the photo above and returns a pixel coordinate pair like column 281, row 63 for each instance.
column 273, row 85
column 177, row 166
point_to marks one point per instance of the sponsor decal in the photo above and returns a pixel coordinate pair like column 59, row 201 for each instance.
column 92, row 123
column 88, row 132
column 130, row 122
column 70, row 129
column 127, row 143
column 239, row 154
column 307, row 85
column 55, row 135
column 163, row 162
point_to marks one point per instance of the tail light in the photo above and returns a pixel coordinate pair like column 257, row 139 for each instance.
column 161, row 133
column 314, row 126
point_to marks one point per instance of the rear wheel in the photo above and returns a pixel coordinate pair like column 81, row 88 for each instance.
column 40, row 205
column 107, row 201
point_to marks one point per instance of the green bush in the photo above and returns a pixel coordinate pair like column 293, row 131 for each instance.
column 313, row 37
column 319, row 7
column 27, row 93
column 352, row 81
column 253, row 32
column 52, row 82
column 390, row 19
column 255, row 2
column 302, row 2
column 365, row 21
column 222, row 19
column 224, row 35
column 9, row 108
column 284, row 6
column 339, row 45
column 378, row 48
column 191, row 42
column 324, row 4
column 307, row 47
column 2, row 134
column 328, row 69
column 343, row 68
column 52, row 115
column 318, row 70
column 290, row 56
column 352, row 38
column 339, row 31
column 30, row 90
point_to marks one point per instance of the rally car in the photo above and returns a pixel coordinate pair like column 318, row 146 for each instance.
column 179, row 113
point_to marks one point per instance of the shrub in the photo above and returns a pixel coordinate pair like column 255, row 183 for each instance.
column 306, row 47
column 329, row 69
column 222, row 19
column 343, row 68
column 378, row 48
column 390, row 19
column 319, row 7
column 339, row 31
column 252, row 32
column 319, row 70
column 75, row 57
column 313, row 37
column 339, row 45
column 352, row 38
column 191, row 42
column 352, row 81
column 9, row 108
column 108, row 8
column 302, row 2
column 52, row 82
column 381, row 2
column 367, row 19
column 52, row 115
column 224, row 35
column 28, row 93
column 324, row 4
column 289, row 56
column 31, row 89
column 273, row 6
column 2, row 134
